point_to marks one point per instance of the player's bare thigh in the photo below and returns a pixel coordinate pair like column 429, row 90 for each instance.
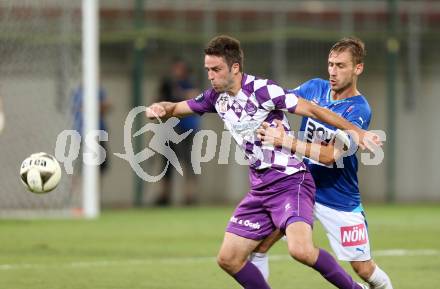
column 269, row 241
column 300, row 243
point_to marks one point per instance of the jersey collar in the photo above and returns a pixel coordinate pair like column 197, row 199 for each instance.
column 330, row 99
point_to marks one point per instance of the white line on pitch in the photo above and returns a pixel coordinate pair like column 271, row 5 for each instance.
column 183, row 260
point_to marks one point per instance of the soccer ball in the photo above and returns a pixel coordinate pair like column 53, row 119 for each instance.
column 40, row 173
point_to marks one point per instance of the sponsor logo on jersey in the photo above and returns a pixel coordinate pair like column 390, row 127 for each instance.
column 200, row 97
column 246, row 129
column 354, row 235
column 237, row 107
column 250, row 108
column 222, row 103
column 316, row 132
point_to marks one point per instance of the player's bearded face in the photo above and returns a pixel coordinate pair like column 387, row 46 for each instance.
column 219, row 73
column 342, row 71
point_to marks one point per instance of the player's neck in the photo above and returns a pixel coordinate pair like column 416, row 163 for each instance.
column 345, row 93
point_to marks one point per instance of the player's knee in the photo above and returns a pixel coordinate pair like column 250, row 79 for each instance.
column 304, row 254
column 228, row 263
column 363, row 269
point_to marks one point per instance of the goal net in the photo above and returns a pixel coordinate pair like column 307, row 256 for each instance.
column 40, row 45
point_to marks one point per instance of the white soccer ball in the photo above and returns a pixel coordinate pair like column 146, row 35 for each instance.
column 40, row 173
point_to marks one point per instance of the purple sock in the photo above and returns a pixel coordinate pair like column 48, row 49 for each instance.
column 250, row 277
column 333, row 272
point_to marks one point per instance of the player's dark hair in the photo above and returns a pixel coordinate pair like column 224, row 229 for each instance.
column 226, row 47
column 352, row 44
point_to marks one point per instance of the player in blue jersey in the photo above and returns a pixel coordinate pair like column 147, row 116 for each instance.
column 338, row 203
column 282, row 190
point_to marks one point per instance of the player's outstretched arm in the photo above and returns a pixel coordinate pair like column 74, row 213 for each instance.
column 166, row 110
column 277, row 136
column 363, row 138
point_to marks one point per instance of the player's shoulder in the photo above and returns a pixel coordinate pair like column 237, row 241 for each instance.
column 251, row 83
column 315, row 84
column 359, row 111
column 208, row 95
column 315, row 88
column 362, row 104
column 264, row 90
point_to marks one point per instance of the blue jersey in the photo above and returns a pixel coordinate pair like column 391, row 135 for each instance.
column 336, row 188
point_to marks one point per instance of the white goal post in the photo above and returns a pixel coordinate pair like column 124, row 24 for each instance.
column 49, row 49
column 91, row 105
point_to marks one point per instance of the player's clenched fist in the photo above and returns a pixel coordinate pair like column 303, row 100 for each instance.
column 155, row 110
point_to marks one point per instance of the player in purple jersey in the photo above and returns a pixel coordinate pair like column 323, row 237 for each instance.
column 282, row 190
column 338, row 205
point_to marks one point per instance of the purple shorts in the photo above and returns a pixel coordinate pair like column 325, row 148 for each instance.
column 290, row 199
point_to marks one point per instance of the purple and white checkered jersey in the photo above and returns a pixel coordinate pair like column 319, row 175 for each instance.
column 257, row 101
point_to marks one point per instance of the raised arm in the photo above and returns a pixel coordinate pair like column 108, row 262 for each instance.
column 168, row 109
column 306, row 108
column 363, row 138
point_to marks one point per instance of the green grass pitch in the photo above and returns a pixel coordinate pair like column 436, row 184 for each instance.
column 175, row 249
